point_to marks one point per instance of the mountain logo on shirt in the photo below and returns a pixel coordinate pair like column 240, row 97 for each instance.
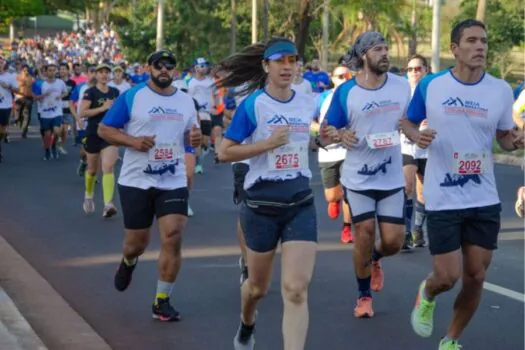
column 161, row 169
column 49, row 109
column 296, row 124
column 459, row 180
column 374, row 108
column 370, row 171
column 159, row 113
column 470, row 108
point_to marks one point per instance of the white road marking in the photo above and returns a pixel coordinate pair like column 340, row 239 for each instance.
column 504, row 291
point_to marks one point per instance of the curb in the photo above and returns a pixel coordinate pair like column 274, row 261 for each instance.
column 508, row 159
column 51, row 317
column 15, row 332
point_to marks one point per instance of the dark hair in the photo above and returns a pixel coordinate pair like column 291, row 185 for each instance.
column 394, row 70
column 457, row 31
column 419, row 57
column 244, row 67
column 64, row 64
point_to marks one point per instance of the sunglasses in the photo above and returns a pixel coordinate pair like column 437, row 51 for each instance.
column 289, row 59
column 414, row 69
column 163, row 64
column 342, row 76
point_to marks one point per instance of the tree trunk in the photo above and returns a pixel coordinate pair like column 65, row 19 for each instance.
column 302, row 26
column 266, row 19
column 233, row 35
column 412, row 44
column 326, row 34
column 482, row 10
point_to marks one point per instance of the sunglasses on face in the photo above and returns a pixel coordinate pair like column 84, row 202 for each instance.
column 289, row 59
column 163, row 64
column 414, row 69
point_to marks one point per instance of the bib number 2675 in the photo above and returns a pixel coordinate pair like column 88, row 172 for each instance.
column 288, row 157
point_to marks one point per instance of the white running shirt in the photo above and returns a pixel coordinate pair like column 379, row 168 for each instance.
column 460, row 167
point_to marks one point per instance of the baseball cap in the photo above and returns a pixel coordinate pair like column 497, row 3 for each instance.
column 161, row 54
column 103, row 66
column 279, row 49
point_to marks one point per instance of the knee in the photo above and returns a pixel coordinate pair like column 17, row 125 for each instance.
column 446, row 280
column 256, row 291
column 392, row 244
column 332, row 194
column 365, row 233
column 173, row 240
column 474, row 278
column 136, row 245
column 294, row 292
column 409, row 188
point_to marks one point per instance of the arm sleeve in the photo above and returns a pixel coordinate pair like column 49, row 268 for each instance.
column 75, row 94
column 417, row 110
column 88, row 95
column 119, row 113
column 336, row 114
column 243, row 124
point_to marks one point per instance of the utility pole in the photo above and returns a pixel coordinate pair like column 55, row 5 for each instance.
column 254, row 21
column 160, row 25
column 482, row 10
column 326, row 32
column 233, row 38
column 266, row 19
column 435, row 36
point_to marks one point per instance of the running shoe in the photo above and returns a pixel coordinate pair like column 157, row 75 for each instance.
column 123, row 275
column 81, row 170
column 364, row 308
column 244, row 270
column 198, row 169
column 62, row 150
column 346, row 235
column 377, row 278
column 89, row 205
column 109, row 210
column 449, row 344
column 190, row 211
column 422, row 318
column 244, row 339
column 163, row 311
column 418, row 239
column 408, row 244
column 334, row 208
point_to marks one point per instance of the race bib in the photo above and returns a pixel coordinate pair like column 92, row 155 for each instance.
column 165, row 152
column 469, row 163
column 288, row 157
column 383, row 140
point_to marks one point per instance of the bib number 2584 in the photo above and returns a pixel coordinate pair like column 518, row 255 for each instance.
column 163, row 153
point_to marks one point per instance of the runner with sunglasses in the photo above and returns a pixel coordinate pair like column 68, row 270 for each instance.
column 274, row 123
column 331, row 159
column 155, row 121
column 364, row 115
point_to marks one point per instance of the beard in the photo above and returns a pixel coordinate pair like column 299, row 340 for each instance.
column 161, row 83
column 378, row 68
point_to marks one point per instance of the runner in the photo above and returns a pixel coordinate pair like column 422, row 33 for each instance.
column 519, row 119
column 465, row 107
column 74, row 106
column 300, row 84
column 158, row 121
column 96, row 101
column 233, row 99
column 8, row 86
column 68, row 120
column 118, row 81
column 366, row 112
column 53, row 90
column 24, row 100
column 202, row 88
column 274, row 121
column 417, row 68
column 331, row 160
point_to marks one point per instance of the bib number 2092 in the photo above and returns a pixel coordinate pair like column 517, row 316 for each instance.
column 469, row 163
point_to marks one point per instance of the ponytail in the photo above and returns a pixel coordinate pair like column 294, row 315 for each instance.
column 245, row 67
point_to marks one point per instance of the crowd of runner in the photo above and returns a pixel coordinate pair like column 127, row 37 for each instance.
column 375, row 134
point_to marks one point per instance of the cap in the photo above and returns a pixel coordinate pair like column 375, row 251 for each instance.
column 118, row 68
column 280, row 48
column 103, row 66
column 161, row 54
column 201, row 61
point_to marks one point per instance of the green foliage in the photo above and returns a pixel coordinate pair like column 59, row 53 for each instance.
column 504, row 22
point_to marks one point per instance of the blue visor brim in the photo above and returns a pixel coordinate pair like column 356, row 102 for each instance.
column 280, row 49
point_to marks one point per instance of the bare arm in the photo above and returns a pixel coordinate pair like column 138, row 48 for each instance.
column 231, row 151
column 115, row 136
column 410, row 129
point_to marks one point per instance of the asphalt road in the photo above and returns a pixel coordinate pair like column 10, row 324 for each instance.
column 41, row 217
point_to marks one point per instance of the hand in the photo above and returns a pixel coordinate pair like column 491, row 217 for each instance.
column 425, row 138
column 279, row 138
column 144, row 143
column 348, row 138
column 107, row 104
column 518, row 138
column 329, row 132
column 195, row 136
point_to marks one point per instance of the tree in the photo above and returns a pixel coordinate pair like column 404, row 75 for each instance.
column 11, row 9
